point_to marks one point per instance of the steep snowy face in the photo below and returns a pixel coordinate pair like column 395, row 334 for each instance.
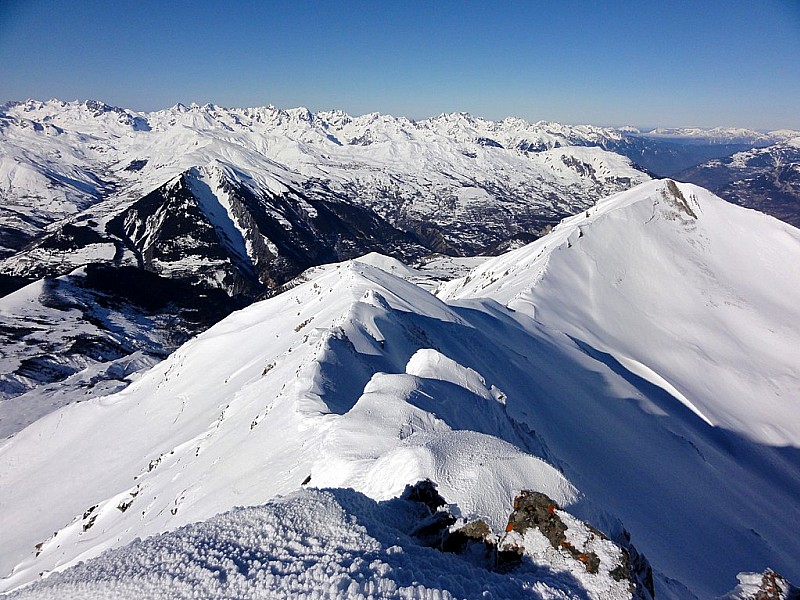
column 686, row 291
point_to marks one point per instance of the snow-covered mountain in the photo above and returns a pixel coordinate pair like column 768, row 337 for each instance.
column 671, row 152
column 721, row 135
column 638, row 366
column 602, row 294
column 462, row 182
column 216, row 207
column 767, row 179
column 147, row 275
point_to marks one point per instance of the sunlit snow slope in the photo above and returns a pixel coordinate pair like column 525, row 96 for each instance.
column 359, row 378
column 683, row 290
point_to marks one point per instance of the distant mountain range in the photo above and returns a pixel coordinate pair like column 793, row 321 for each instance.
column 766, row 179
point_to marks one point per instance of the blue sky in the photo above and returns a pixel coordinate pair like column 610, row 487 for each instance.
column 646, row 63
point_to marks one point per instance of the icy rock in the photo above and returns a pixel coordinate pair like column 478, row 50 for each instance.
column 573, row 544
column 768, row 585
column 569, row 536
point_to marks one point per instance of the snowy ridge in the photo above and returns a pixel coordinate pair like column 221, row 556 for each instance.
column 355, row 377
column 592, row 279
column 175, row 429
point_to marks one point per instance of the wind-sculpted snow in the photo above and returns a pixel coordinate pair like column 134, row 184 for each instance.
column 357, row 377
column 314, row 544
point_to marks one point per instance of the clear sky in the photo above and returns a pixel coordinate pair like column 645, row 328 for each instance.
column 612, row 62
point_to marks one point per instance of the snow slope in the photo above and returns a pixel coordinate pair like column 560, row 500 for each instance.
column 331, row 543
column 671, row 282
column 357, row 378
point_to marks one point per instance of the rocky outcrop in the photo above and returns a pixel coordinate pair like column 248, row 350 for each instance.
column 538, row 532
column 767, row 585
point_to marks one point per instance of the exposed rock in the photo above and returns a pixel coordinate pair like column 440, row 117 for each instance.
column 768, row 585
column 505, row 552
column 535, row 510
column 639, row 568
column 675, row 198
column 425, row 492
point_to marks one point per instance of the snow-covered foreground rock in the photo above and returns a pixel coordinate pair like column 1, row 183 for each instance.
column 322, row 544
column 358, row 378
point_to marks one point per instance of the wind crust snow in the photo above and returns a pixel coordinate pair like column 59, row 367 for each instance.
column 337, row 543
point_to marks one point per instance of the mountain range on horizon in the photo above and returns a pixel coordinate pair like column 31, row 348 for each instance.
column 435, row 358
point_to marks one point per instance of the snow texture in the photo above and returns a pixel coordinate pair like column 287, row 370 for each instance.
column 314, row 544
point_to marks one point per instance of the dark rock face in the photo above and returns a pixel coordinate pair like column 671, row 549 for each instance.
column 638, row 568
column 488, row 143
column 474, row 539
column 426, row 493
column 72, row 237
column 172, row 232
column 102, row 315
